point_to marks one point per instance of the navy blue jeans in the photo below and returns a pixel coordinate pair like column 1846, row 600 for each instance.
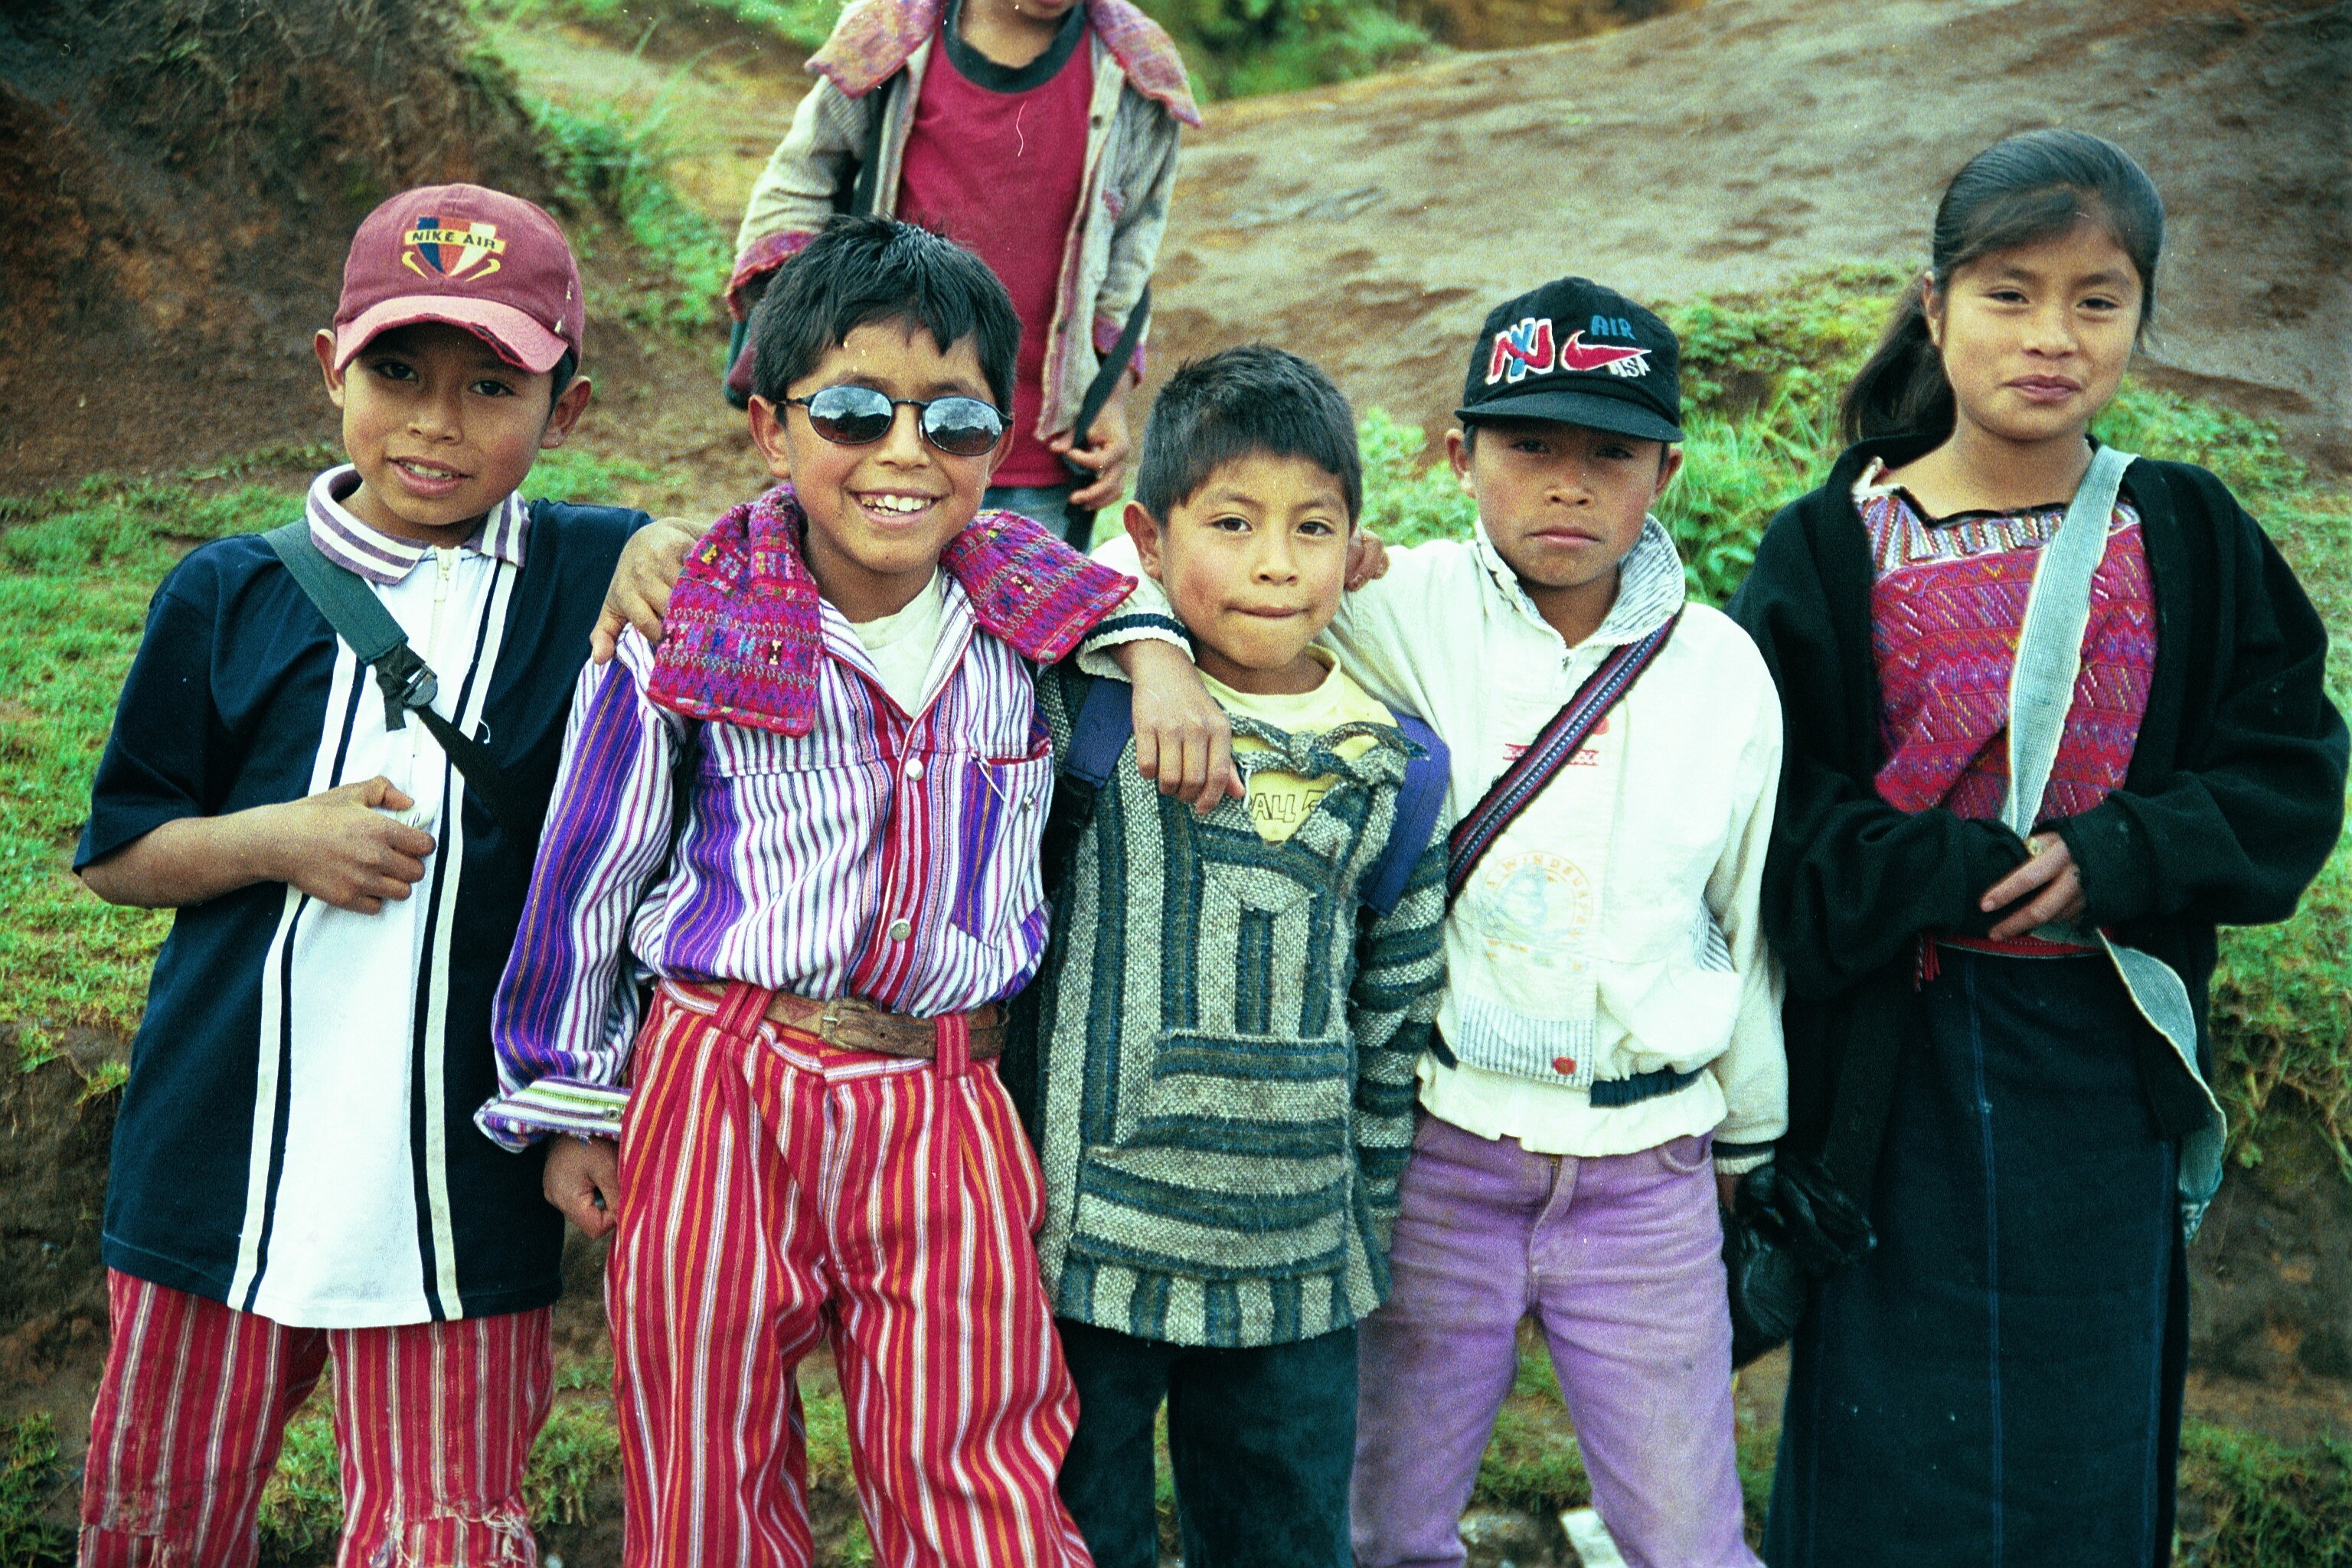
column 1261, row 1440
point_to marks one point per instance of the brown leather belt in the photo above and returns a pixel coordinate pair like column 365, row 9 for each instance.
column 853, row 1024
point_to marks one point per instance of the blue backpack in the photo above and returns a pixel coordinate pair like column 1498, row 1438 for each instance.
column 1104, row 719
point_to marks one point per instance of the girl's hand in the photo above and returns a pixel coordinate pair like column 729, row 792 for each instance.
column 639, row 593
column 584, row 1179
column 1367, row 557
column 2051, row 876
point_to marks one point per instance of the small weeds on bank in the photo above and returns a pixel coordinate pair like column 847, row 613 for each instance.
column 29, row 1480
column 611, row 162
column 2265, row 1505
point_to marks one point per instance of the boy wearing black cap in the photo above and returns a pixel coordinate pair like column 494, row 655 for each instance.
column 1612, row 1015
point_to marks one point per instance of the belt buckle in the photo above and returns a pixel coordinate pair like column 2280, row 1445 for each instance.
column 829, row 1020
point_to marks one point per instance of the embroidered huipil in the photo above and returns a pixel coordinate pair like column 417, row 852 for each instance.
column 832, row 844
column 1946, row 606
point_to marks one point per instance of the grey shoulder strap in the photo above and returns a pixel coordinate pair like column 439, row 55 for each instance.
column 2041, row 690
column 2050, row 644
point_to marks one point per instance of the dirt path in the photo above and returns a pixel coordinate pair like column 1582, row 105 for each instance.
column 1370, row 226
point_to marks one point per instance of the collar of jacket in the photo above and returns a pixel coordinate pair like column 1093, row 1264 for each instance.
column 874, row 37
column 746, row 627
column 1651, row 586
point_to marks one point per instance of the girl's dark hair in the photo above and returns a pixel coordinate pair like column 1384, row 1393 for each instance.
column 864, row 269
column 2016, row 191
column 1237, row 403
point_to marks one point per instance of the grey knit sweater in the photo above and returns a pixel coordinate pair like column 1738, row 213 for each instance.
column 1216, row 1059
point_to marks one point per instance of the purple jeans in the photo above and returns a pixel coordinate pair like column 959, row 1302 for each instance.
column 1620, row 1258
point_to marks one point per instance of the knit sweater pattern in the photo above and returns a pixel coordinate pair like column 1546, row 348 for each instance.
column 1222, row 1085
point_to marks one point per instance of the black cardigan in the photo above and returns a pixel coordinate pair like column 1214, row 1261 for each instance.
column 2232, row 802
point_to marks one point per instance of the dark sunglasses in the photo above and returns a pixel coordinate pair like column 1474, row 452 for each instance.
column 861, row 415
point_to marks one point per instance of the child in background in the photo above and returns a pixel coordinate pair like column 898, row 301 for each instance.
column 1609, row 1035
column 294, row 1177
column 1041, row 134
column 813, row 1138
column 1217, row 1058
column 2000, row 1378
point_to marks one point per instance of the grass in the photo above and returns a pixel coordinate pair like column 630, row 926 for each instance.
column 29, row 1478
column 2265, row 1505
column 77, row 568
column 804, row 24
column 611, row 162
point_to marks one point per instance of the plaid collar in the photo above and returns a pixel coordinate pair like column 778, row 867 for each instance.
column 1651, row 586
column 377, row 555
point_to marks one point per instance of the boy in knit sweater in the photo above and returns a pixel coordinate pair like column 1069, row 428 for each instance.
column 1611, row 1037
column 1217, row 1058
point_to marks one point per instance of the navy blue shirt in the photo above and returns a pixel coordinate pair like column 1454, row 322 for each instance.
column 295, row 1137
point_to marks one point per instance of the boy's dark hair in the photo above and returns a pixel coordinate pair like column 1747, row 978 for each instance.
column 2017, row 192
column 860, row 270
column 1238, row 401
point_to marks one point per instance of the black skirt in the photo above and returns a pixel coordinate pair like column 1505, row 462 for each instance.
column 1998, row 1384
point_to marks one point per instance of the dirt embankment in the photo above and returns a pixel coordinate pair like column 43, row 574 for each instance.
column 1370, row 226
column 181, row 180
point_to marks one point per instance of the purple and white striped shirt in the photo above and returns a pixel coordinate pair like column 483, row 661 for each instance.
column 879, row 856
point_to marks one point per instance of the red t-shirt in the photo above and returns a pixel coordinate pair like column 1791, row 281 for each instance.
column 994, row 161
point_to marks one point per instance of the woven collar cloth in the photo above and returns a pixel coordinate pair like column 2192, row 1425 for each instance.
column 746, row 624
column 874, row 37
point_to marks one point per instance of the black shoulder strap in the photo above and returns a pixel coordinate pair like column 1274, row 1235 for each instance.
column 1080, row 524
column 409, row 684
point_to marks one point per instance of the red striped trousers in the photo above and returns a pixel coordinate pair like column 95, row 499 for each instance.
column 774, row 1189
column 434, row 1422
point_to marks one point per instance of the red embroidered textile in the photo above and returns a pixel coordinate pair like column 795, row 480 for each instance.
column 744, row 633
column 1945, row 610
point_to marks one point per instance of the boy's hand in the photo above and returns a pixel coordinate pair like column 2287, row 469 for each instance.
column 2050, row 872
column 584, row 1179
column 338, row 847
column 639, row 593
column 1104, row 454
column 1183, row 742
column 1368, row 558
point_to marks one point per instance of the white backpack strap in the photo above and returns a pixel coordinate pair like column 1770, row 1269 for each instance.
column 2050, row 643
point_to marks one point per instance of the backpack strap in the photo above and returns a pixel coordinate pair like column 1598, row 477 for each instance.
column 1102, row 721
column 1419, row 800
column 409, row 685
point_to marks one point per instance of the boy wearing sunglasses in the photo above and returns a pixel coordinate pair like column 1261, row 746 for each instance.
column 812, row 819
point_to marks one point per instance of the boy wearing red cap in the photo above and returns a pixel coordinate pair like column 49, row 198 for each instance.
column 295, row 1178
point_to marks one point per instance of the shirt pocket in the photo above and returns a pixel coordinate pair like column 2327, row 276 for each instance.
column 998, row 810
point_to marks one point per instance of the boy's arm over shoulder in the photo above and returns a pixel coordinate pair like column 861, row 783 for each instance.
column 1410, row 634
column 1392, row 1007
column 1753, row 1069
column 565, row 1009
